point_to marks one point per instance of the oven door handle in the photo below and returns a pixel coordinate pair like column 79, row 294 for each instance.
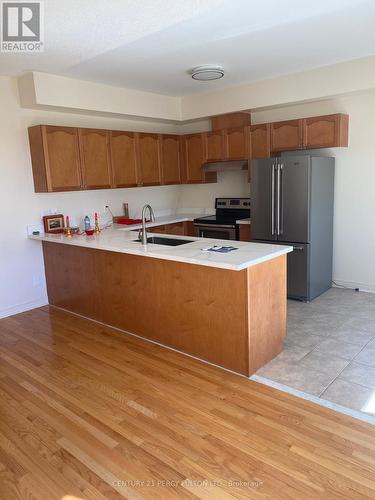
column 214, row 226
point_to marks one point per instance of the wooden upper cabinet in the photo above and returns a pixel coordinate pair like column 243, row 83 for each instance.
column 237, row 142
column 149, row 158
column 260, row 140
column 123, row 156
column 287, row 135
column 231, row 120
column 69, row 158
column 194, row 155
column 55, row 158
column 215, row 146
column 326, row 131
column 170, row 159
column 95, row 158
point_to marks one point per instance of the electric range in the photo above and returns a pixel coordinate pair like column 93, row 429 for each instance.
column 223, row 225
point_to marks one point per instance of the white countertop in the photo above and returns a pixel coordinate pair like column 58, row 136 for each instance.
column 118, row 240
column 160, row 221
column 243, row 221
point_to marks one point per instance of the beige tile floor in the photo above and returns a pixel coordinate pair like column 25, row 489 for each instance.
column 329, row 351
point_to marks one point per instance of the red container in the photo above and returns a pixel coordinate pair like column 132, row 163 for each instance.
column 127, row 221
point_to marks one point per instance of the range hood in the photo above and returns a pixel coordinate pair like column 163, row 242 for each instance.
column 225, row 166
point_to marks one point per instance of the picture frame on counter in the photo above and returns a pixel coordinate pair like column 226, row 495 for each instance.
column 54, row 223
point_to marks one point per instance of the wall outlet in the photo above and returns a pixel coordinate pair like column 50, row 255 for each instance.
column 34, row 227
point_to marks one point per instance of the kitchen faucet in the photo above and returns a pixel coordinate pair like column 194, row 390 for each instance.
column 142, row 235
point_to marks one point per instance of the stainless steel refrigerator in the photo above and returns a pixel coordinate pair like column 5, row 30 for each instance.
column 292, row 204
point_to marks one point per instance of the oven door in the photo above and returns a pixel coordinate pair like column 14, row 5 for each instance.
column 219, row 232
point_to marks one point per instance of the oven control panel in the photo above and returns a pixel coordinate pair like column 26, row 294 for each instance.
column 237, row 203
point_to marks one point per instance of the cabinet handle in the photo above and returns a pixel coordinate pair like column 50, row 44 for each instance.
column 281, row 199
column 278, row 196
column 273, row 199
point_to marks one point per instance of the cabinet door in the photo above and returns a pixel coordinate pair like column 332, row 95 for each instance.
column 62, row 161
column 286, row 136
column 326, row 131
column 95, row 158
column 237, row 141
column 157, row 229
column 149, row 158
column 170, row 159
column 176, row 228
column 245, row 232
column 260, row 140
column 189, row 228
column 123, row 155
column 194, row 157
column 215, row 149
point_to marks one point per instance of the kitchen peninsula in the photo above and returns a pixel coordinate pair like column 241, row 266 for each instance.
column 225, row 308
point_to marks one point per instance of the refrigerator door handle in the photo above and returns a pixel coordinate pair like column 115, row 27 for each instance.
column 273, row 199
column 278, row 200
column 281, row 201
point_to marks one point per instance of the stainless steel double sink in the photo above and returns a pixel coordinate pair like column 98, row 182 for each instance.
column 171, row 242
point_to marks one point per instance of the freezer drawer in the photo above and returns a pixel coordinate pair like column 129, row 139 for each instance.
column 298, row 271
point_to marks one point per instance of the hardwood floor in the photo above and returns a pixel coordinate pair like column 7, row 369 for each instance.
column 89, row 412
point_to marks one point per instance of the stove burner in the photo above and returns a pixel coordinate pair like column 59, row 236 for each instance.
column 228, row 211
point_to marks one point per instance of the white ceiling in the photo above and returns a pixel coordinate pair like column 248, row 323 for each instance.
column 152, row 44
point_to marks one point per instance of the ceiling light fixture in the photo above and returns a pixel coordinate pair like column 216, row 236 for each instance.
column 207, row 72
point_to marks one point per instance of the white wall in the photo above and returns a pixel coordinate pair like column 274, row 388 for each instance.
column 354, row 218
column 230, row 184
column 22, row 284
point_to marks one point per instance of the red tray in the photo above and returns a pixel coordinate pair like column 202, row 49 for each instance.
column 128, row 222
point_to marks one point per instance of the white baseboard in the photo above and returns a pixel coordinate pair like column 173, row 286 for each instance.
column 363, row 287
column 26, row 306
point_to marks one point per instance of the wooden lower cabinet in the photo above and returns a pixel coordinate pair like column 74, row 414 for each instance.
column 177, row 228
column 189, row 228
column 185, row 228
column 245, row 232
column 180, row 305
column 156, row 229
